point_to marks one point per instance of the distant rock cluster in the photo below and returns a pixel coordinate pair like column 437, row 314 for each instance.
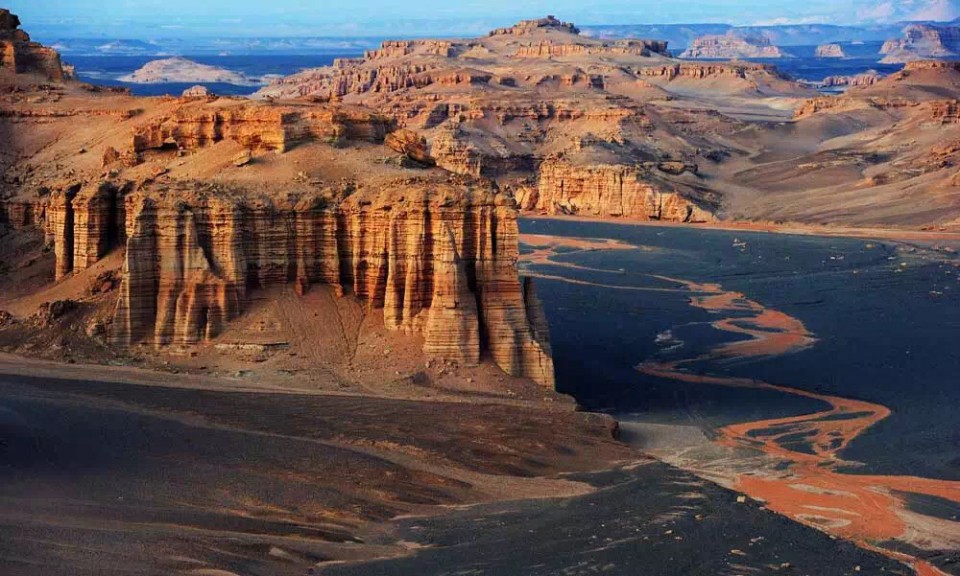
column 923, row 41
column 730, row 46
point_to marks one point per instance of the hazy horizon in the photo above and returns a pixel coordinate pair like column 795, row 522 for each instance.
column 298, row 18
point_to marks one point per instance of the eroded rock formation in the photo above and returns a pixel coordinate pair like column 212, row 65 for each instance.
column 868, row 78
column 19, row 54
column 438, row 260
column 610, row 191
column 256, row 126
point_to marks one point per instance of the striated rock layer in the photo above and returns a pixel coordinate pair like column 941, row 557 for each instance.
column 609, row 191
column 438, row 259
column 256, row 126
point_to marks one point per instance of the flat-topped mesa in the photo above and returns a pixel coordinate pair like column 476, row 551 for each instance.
column 20, row 55
column 438, row 260
column 526, row 27
column 830, row 51
column 257, row 126
column 731, row 45
column 922, row 41
column 615, row 191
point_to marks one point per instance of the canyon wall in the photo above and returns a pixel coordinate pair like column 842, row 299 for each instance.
column 609, row 191
column 438, row 260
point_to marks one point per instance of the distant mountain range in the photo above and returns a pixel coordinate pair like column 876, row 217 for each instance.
column 210, row 46
column 679, row 36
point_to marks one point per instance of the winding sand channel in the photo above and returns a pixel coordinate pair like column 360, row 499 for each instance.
column 800, row 470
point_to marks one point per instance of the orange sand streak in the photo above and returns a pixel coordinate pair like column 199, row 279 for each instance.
column 861, row 508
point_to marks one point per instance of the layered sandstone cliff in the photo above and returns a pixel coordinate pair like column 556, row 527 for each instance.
column 20, row 55
column 611, row 191
column 437, row 260
column 731, row 46
column 256, row 126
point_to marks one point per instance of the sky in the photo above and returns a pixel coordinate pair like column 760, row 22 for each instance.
column 184, row 18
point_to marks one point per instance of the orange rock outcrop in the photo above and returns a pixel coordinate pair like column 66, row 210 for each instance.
column 609, row 191
column 20, row 55
column 438, row 260
column 256, row 126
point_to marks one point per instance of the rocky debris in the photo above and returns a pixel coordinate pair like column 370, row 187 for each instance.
column 830, row 51
column 922, row 42
column 104, row 282
column 731, row 46
column 197, row 92
column 243, row 158
column 50, row 312
column 6, row 319
column 411, row 145
column 677, row 168
column 20, row 55
column 110, row 156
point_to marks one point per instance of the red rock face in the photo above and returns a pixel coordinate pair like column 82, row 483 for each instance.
column 21, row 56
